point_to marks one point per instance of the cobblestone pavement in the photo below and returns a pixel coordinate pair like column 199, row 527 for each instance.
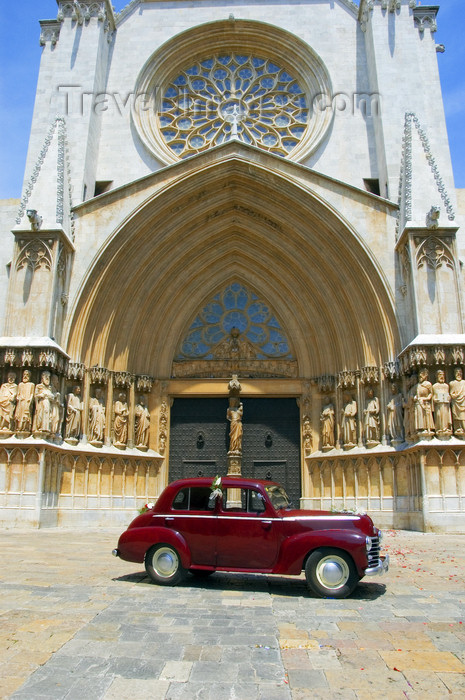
column 76, row 623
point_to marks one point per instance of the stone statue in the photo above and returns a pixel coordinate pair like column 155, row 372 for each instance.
column 424, row 423
column 371, row 418
column 457, row 395
column 327, row 419
column 8, row 392
column 142, row 423
column 56, row 416
column 441, row 404
column 120, row 425
column 73, row 415
column 97, row 417
column 234, row 415
column 24, row 399
column 395, row 415
column 349, row 425
column 44, row 397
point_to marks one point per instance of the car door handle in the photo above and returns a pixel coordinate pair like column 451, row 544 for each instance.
column 266, row 524
column 169, row 520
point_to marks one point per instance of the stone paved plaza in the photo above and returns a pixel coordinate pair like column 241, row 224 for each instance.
column 77, row 623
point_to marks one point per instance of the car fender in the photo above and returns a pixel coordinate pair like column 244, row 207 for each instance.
column 294, row 549
column 134, row 543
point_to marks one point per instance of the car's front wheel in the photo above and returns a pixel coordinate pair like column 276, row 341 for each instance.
column 163, row 565
column 331, row 573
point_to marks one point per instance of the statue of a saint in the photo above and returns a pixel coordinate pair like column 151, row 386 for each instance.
column 441, row 404
column 120, row 425
column 97, row 417
column 234, row 415
column 371, row 418
column 56, row 415
column 24, row 399
column 457, row 395
column 327, row 419
column 349, row 425
column 424, row 423
column 142, row 423
column 43, row 396
column 395, row 417
column 73, row 415
column 8, row 392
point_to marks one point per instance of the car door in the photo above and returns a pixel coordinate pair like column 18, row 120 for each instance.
column 193, row 515
column 247, row 531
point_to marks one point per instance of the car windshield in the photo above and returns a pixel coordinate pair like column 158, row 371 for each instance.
column 278, row 496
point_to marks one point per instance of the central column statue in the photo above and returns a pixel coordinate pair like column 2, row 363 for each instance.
column 234, row 416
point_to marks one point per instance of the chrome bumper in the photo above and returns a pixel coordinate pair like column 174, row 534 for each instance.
column 115, row 552
column 381, row 568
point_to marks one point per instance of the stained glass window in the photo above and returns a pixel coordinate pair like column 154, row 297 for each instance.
column 235, row 309
column 233, row 96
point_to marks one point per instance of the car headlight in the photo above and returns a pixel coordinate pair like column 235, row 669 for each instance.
column 369, row 543
column 380, row 536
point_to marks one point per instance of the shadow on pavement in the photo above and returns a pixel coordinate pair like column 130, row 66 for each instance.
column 255, row 583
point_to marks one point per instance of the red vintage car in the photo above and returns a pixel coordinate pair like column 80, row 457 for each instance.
column 236, row 524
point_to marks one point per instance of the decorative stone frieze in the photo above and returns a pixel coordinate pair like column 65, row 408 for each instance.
column 163, row 426
column 99, row 375
column 144, row 383
column 406, row 174
column 369, row 375
column 27, row 358
column 347, row 379
column 122, row 380
column 83, row 11
column 391, row 369
column 76, row 371
column 431, row 356
column 326, row 383
column 425, row 18
column 49, row 32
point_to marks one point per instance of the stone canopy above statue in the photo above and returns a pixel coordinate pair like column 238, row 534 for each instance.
column 235, row 332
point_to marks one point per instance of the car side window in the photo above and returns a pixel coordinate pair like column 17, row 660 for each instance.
column 194, row 498
column 243, row 501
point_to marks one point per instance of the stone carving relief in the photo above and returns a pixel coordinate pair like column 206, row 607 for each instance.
column 163, row 426
column 441, row 404
column 325, row 383
column 328, row 425
column 395, row 415
column 24, row 401
column 422, row 405
column 425, row 18
column 371, row 419
column 8, row 393
column 391, row 369
column 44, row 399
column 34, row 254
column 120, row 423
column 349, row 422
column 457, row 394
column 144, row 383
column 347, row 379
column 142, row 424
column 434, row 252
column 97, row 418
column 74, row 408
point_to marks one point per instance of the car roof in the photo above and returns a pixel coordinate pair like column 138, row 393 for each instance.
column 226, row 481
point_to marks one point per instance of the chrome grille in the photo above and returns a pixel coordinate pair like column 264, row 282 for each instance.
column 373, row 554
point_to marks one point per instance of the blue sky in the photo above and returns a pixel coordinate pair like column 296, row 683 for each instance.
column 20, row 56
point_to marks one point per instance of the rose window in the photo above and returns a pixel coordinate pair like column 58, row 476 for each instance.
column 230, row 96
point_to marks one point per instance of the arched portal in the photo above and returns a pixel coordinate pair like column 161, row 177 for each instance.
column 234, row 219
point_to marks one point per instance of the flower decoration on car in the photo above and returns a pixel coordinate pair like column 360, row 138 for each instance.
column 216, row 488
column 226, row 96
column 146, row 507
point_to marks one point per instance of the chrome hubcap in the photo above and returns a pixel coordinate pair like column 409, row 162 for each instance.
column 332, row 572
column 165, row 562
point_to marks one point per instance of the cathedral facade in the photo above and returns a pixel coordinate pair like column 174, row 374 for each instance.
column 238, row 250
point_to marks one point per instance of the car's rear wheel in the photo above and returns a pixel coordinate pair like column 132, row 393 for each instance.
column 331, row 573
column 163, row 565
